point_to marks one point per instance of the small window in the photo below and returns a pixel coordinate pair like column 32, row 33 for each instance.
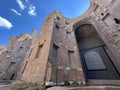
column 26, row 39
column 24, row 67
column 11, row 67
column 58, row 18
column 68, row 33
column 6, row 51
column 30, row 53
column 67, row 23
column 20, row 49
column 71, row 59
column 95, row 6
column 48, row 19
column 55, row 50
column 117, row 21
column 56, row 26
column 12, row 77
column 38, row 51
column 102, row 14
column 54, row 54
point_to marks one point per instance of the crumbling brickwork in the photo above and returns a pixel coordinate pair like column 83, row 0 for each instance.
column 59, row 61
column 57, row 55
column 14, row 56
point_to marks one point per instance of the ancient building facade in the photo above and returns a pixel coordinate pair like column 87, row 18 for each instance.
column 14, row 56
column 84, row 50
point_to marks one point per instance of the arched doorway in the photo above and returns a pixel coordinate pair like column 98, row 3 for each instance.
column 96, row 62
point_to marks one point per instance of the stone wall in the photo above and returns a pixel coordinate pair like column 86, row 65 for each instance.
column 47, row 68
column 104, row 16
column 13, row 57
column 36, row 68
column 61, row 70
column 57, row 39
column 53, row 57
column 2, row 49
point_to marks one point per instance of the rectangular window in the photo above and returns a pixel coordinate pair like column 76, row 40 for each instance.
column 55, row 49
column 54, row 53
column 30, row 53
column 56, row 26
column 38, row 51
column 71, row 59
column 24, row 67
column 3, row 56
column 95, row 6
column 11, row 67
column 108, row 20
column 104, row 15
column 20, row 49
column 68, row 34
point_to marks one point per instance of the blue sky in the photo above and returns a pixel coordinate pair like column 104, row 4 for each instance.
column 22, row 16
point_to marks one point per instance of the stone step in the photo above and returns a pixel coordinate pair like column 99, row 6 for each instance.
column 96, row 88
column 103, row 82
column 5, row 88
column 86, row 88
column 5, row 85
column 5, row 82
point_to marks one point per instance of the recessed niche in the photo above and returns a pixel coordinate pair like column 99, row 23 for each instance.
column 117, row 21
column 95, row 6
column 58, row 18
column 102, row 14
column 56, row 26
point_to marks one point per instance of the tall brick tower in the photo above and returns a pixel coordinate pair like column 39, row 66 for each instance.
column 54, row 58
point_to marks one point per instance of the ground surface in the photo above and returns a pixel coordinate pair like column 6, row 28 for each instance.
column 58, row 88
column 5, row 87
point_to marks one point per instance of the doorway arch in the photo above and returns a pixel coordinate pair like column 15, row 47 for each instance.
column 96, row 62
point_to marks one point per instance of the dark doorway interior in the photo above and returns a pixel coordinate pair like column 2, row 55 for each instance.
column 96, row 62
column 12, row 77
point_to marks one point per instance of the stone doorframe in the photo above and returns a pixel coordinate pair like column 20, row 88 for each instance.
column 100, row 28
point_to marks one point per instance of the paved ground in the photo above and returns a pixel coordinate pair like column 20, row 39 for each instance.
column 86, row 88
column 58, row 88
column 5, row 87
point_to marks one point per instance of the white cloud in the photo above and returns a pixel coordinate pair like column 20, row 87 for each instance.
column 16, row 12
column 31, row 10
column 21, row 5
column 5, row 23
column 26, row 0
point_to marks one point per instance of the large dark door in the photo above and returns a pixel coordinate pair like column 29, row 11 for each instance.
column 97, row 64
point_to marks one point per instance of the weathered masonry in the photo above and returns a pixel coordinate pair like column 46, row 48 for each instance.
column 84, row 50
column 13, row 57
